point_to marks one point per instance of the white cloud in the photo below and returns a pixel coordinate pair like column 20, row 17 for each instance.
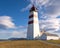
column 50, row 24
column 5, row 34
column 6, row 22
column 26, row 8
column 18, row 34
column 39, row 2
column 21, row 26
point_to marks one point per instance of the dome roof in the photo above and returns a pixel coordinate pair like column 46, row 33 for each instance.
column 33, row 8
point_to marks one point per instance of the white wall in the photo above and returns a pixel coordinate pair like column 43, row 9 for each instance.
column 52, row 38
column 36, row 25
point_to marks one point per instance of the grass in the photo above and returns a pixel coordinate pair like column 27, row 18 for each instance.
column 54, row 41
column 26, row 44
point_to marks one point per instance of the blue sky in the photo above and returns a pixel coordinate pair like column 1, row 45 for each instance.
column 13, row 9
column 14, row 16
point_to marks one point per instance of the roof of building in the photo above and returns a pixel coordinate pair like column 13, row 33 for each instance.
column 49, row 34
column 33, row 8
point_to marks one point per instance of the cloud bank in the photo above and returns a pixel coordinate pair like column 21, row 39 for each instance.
column 8, row 29
column 5, row 34
column 6, row 22
column 18, row 34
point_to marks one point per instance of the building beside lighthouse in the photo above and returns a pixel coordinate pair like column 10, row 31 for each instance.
column 48, row 36
column 33, row 31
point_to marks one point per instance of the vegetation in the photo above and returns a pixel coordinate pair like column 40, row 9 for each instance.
column 26, row 44
column 54, row 41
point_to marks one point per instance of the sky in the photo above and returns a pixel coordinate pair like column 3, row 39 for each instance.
column 14, row 17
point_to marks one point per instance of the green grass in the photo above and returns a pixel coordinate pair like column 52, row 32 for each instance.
column 54, row 41
column 26, row 44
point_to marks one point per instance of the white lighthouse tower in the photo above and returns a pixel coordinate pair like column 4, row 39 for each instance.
column 33, row 31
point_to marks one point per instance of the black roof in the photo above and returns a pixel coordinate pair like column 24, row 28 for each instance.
column 33, row 8
column 49, row 34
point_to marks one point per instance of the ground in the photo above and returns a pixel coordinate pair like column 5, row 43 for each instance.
column 54, row 41
column 26, row 44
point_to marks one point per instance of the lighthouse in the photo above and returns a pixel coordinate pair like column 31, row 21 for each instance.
column 33, row 31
